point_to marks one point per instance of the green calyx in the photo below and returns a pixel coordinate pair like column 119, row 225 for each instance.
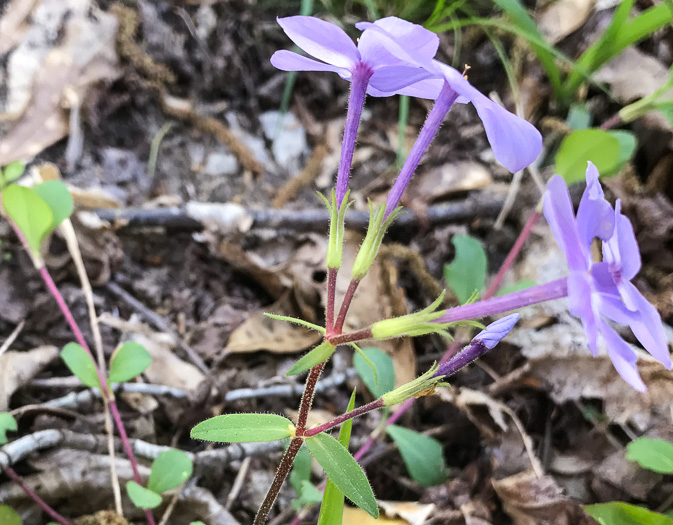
column 418, row 323
column 421, row 386
column 370, row 246
column 336, row 228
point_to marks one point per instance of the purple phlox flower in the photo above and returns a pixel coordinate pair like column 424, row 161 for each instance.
column 603, row 290
column 484, row 341
column 379, row 55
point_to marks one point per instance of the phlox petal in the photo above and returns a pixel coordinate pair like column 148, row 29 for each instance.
column 428, row 89
column 558, row 211
column 394, row 78
column 622, row 356
column 622, row 248
column 413, row 37
column 322, row 40
column 595, row 216
column 290, row 61
column 580, row 305
column 515, row 142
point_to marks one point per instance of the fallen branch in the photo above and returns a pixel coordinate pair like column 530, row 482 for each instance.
column 232, row 218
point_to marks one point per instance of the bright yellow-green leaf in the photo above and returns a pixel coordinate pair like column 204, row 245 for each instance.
column 7, row 424
column 171, row 469
column 652, row 454
column 30, row 214
column 80, row 364
column 242, row 428
column 58, row 198
column 8, row 516
column 128, row 361
column 141, row 497
column 579, row 147
column 618, row 513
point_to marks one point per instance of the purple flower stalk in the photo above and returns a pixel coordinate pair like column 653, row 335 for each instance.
column 378, row 65
column 601, row 290
column 484, row 341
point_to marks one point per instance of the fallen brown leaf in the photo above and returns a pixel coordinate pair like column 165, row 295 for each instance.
column 558, row 19
column 16, row 368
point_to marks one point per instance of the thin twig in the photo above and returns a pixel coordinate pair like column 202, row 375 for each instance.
column 171, row 506
column 160, row 323
column 238, row 483
column 12, row 337
column 189, row 218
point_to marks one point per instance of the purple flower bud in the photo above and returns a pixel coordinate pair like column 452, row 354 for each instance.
column 484, row 341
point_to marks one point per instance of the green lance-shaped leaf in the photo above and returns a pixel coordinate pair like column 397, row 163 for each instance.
column 31, row 214
column 344, row 471
column 579, row 147
column 652, row 454
column 13, row 171
column 58, row 198
column 169, row 470
column 381, row 382
column 81, row 364
column 422, row 455
column 618, row 513
column 7, row 424
column 467, row 272
column 128, row 361
column 8, row 516
column 320, row 353
column 141, row 497
column 331, row 511
column 242, row 428
column 294, row 320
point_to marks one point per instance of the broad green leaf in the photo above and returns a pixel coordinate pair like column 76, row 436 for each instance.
column 627, row 147
column 516, row 287
column 309, row 493
column 7, row 424
column 320, row 353
column 197, row 523
column 467, row 271
column 141, row 497
column 344, row 471
column 169, row 470
column 618, row 513
column 80, row 364
column 584, row 145
column 579, row 117
column 652, row 454
column 30, row 214
column 367, row 361
column 384, row 368
column 13, row 171
column 422, row 455
column 128, row 361
column 242, row 428
column 332, row 507
column 8, row 516
column 58, row 198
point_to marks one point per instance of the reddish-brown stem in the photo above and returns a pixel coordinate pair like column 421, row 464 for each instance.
column 345, row 305
column 614, row 120
column 53, row 289
column 278, row 480
column 352, row 337
column 307, row 397
column 374, row 405
column 331, row 299
column 33, row 495
column 512, row 255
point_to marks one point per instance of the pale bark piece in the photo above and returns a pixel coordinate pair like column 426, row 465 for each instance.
column 17, row 368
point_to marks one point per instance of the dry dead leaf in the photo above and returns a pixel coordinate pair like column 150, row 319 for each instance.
column 411, row 512
column 530, row 500
column 353, row 516
column 39, row 75
column 558, row 19
column 448, row 179
column 260, row 332
column 16, row 368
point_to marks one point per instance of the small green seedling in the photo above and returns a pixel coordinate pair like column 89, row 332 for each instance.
column 12, row 171
column 170, row 470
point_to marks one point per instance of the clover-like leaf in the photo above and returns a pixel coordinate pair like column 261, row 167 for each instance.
column 81, row 364
column 128, row 361
column 30, row 213
column 422, row 455
column 652, row 454
column 344, row 471
column 7, row 424
column 169, row 470
column 141, row 497
column 242, row 428
column 58, row 198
